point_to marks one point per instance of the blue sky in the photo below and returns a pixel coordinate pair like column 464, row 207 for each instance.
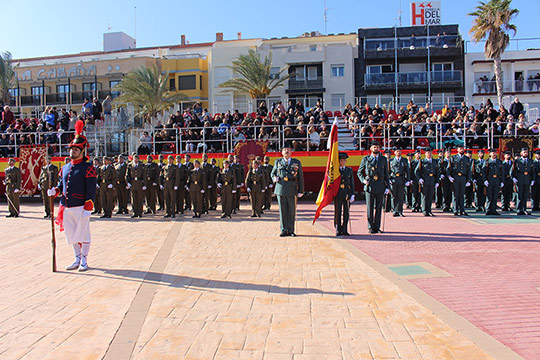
column 40, row 28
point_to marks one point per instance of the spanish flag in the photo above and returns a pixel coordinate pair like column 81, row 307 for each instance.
column 332, row 176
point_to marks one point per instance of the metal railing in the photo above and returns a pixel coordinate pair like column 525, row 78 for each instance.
column 450, row 76
column 442, row 41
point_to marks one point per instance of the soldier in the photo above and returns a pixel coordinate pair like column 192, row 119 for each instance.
column 106, row 186
column 135, row 182
column 427, row 173
column 151, row 177
column 469, row 190
column 212, row 184
column 197, row 186
column 408, row 191
column 205, row 166
column 48, row 178
column 226, row 181
column 387, row 198
column 535, row 189
column 240, row 175
column 267, row 198
column 508, row 185
column 169, row 184
column 12, row 182
column 373, row 173
column 255, row 185
column 459, row 174
column 289, row 178
column 439, row 197
column 399, row 179
column 478, row 181
column 232, row 168
column 523, row 177
column 67, row 160
column 415, row 185
column 161, row 164
column 446, row 185
column 344, row 196
column 182, row 177
column 122, row 192
column 97, row 205
column 189, row 167
column 493, row 181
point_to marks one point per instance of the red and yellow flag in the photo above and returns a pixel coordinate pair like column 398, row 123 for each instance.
column 332, row 176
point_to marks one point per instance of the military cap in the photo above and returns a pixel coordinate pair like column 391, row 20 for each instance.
column 343, row 156
column 468, row 151
column 213, row 160
column 481, row 151
column 108, row 158
column 428, row 149
column 507, row 152
column 537, row 151
column 524, row 149
column 492, row 150
column 375, row 143
column 460, row 146
column 410, row 154
column 387, row 151
column 417, row 151
column 197, row 161
column 440, row 151
column 11, row 159
column 170, row 157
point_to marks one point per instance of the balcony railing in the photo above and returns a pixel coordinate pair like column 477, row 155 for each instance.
column 30, row 100
column 307, row 83
column 490, row 87
column 55, row 99
column 78, row 97
column 443, row 41
column 413, row 78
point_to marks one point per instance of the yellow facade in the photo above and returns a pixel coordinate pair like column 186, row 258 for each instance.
column 188, row 74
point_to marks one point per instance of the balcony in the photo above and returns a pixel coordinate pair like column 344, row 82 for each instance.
column 413, row 79
column 78, row 97
column 56, row 99
column 305, row 85
column 30, row 100
column 443, row 46
column 482, row 87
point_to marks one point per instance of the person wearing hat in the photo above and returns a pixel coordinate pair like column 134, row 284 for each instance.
column 169, row 184
column 226, row 182
column 47, row 179
column 446, row 185
column 535, row 189
column 77, row 186
column 267, row 198
column 479, row 177
column 439, row 197
column 213, row 172
column 12, row 181
column 135, row 182
column 182, row 176
column 106, row 187
column 205, row 166
column 373, row 173
column 189, row 168
column 427, row 173
column 151, row 181
column 240, row 176
column 399, row 179
column 256, row 186
column 97, row 203
column 289, row 178
column 523, row 177
column 508, row 184
column 197, row 187
column 459, row 174
column 469, row 190
column 408, row 191
column 493, row 181
column 160, row 198
column 415, row 185
column 122, row 193
column 344, row 196
column 387, row 206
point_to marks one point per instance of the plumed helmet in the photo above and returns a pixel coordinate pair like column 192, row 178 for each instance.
column 80, row 140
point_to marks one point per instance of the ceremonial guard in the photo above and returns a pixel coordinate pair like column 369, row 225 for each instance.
column 427, row 173
column 289, row 178
column 446, row 185
column 161, row 164
column 12, row 182
column 122, row 193
column 535, row 189
column 267, row 198
column 373, row 173
column 399, row 179
column 508, row 185
column 106, row 186
column 469, row 190
column 189, row 167
column 344, row 196
column 523, row 177
column 240, row 175
column 151, row 177
column 212, row 184
column 205, row 166
column 135, row 182
column 226, row 182
column 97, row 204
column 182, row 178
column 408, row 191
column 255, row 185
column 478, row 181
column 77, row 186
column 439, row 197
column 415, row 185
column 197, row 186
column 459, row 174
column 170, row 185
column 493, row 181
column 388, row 198
column 48, row 178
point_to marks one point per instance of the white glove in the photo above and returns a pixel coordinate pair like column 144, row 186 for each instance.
column 16, row 191
column 86, row 213
column 263, row 190
column 161, row 187
column 450, row 178
column 442, row 176
column 502, row 185
column 202, row 191
column 144, row 188
column 352, row 198
column 187, row 188
column 110, row 186
column 486, row 183
column 238, row 186
column 248, row 190
column 276, row 179
column 515, row 180
column 219, row 186
column 467, row 184
column 474, row 181
column 154, row 184
column 234, row 191
column 300, row 195
column 386, row 191
column 436, row 185
column 209, row 186
column 128, row 186
column 532, row 183
column 175, row 187
column 421, row 181
column 51, row 192
column 242, row 184
column 366, row 181
column 39, row 187
column 271, row 186
column 97, row 186
column 407, row 183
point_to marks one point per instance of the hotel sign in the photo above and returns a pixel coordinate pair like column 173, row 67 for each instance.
column 426, row 13
column 62, row 72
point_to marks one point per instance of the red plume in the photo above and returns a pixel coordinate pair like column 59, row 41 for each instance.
column 79, row 125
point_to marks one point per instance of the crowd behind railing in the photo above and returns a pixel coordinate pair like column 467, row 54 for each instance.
column 196, row 130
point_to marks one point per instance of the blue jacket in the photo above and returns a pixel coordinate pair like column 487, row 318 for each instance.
column 77, row 184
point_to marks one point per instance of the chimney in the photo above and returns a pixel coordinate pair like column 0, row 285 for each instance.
column 182, row 39
column 239, row 35
column 219, row 36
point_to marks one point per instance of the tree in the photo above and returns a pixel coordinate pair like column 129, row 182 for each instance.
column 146, row 89
column 8, row 80
column 492, row 23
column 254, row 76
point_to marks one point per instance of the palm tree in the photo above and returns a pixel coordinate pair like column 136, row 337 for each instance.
column 146, row 89
column 492, row 23
column 255, row 78
column 8, row 79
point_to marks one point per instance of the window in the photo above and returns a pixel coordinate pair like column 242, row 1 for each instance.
column 89, row 86
column 62, row 89
column 312, row 73
column 187, row 82
column 14, row 92
column 274, row 73
column 338, row 70
column 200, row 82
column 37, row 90
column 443, row 67
column 172, row 84
column 379, row 69
column 300, row 73
column 338, row 100
column 312, row 47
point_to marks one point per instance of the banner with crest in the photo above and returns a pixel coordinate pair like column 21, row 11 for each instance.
column 31, row 160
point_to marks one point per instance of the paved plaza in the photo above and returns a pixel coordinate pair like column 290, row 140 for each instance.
column 429, row 288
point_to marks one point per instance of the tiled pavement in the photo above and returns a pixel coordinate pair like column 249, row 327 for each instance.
column 208, row 289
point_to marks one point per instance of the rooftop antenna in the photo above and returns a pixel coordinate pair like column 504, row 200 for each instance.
column 135, row 23
column 109, row 27
column 399, row 13
column 326, row 18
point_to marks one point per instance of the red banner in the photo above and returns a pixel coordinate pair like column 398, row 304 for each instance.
column 249, row 150
column 31, row 160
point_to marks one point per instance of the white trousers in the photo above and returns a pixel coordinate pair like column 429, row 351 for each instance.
column 76, row 226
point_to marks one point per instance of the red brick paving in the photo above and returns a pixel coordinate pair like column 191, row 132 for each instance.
column 495, row 267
